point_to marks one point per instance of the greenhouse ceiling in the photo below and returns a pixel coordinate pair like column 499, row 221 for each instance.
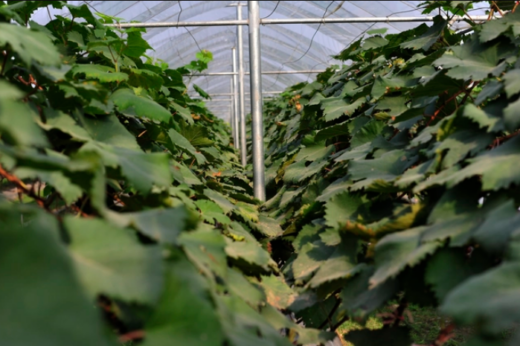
column 284, row 47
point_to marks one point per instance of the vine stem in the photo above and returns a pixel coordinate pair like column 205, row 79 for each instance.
column 498, row 8
column 134, row 335
column 442, row 107
column 399, row 312
column 444, row 336
column 466, row 91
column 21, row 185
column 6, row 56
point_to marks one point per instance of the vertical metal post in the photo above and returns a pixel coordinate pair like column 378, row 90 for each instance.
column 232, row 115
column 243, row 146
column 257, row 127
column 236, row 111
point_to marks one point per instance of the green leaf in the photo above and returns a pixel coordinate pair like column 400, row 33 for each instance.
column 511, row 120
column 497, row 167
column 205, row 248
column 144, row 170
column 493, row 28
column 494, row 234
column 102, row 73
column 47, row 273
column 268, row 226
column 426, row 40
column 386, row 168
column 332, row 131
column 395, row 252
column 358, row 300
column 183, row 112
column 211, row 212
column 470, row 302
column 340, row 265
column 183, row 143
column 141, row 78
column 29, row 44
column 183, row 174
column 220, row 199
column 163, row 225
column 197, row 136
column 251, row 252
column 317, row 151
column 278, row 293
column 342, row 208
column 132, row 105
column 20, row 129
column 377, row 31
column 201, row 92
column 106, row 129
column 9, row 91
column 450, row 267
column 310, row 258
column 471, row 61
column 335, row 107
column 65, row 123
column 111, row 261
column 482, row 118
column 67, row 190
column 184, row 312
column 136, row 46
column 83, row 12
column 333, row 189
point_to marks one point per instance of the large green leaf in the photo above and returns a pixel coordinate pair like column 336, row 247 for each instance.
column 46, row 304
column 136, row 45
column 397, row 251
column 133, row 105
column 358, row 300
column 471, row 61
column 184, row 313
column 111, row 261
column 497, row 167
column 426, row 40
column 491, row 299
column 335, row 107
column 450, row 267
column 100, row 72
column 20, row 129
column 29, row 44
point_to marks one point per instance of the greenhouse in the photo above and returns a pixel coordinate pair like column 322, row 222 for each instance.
column 260, row 173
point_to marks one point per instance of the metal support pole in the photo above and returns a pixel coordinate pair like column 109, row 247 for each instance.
column 257, row 126
column 235, row 100
column 232, row 116
column 243, row 146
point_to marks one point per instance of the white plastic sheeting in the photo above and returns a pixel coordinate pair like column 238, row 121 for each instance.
column 283, row 47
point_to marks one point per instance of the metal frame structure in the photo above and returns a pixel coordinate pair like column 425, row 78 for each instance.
column 237, row 84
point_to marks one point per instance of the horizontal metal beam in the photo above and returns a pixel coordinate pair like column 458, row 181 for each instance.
column 232, row 94
column 273, row 21
column 246, row 73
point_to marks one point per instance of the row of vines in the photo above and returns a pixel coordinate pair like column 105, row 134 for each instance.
column 125, row 216
column 396, row 181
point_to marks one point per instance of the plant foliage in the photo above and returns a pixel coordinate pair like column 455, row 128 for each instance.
column 129, row 217
column 395, row 178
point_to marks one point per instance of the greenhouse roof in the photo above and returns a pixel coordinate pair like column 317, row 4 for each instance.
column 284, row 47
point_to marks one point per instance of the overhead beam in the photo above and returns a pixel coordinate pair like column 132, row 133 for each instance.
column 268, row 21
column 247, row 73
